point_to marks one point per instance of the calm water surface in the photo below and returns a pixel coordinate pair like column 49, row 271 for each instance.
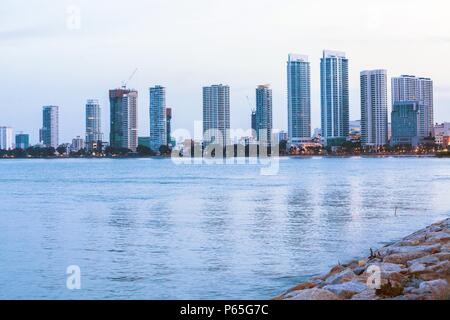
column 149, row 229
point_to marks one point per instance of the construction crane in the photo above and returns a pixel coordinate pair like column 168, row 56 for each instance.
column 125, row 83
column 249, row 104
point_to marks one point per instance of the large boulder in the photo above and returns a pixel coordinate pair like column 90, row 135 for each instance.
column 368, row 294
column 434, row 290
column 387, row 267
column 426, row 260
column 439, row 237
column 404, row 257
column 387, row 251
column 343, row 276
column 314, row 294
column 346, row 290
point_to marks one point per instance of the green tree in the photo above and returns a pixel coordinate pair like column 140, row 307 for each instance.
column 145, row 151
column 164, row 150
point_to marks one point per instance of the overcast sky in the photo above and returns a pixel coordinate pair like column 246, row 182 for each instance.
column 184, row 45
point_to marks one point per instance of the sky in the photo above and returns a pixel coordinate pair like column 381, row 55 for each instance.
column 58, row 52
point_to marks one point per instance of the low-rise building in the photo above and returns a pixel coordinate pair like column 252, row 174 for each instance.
column 405, row 123
column 442, row 131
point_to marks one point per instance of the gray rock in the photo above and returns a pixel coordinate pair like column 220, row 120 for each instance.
column 369, row 294
column 408, row 249
column 436, row 289
column 314, row 294
column 346, row 290
column 442, row 256
column 426, row 260
column 343, row 276
column 439, row 237
column 403, row 258
column 417, row 268
column 387, row 267
column 359, row 270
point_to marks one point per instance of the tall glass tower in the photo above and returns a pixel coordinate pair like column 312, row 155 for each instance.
column 334, row 97
column 264, row 114
column 411, row 88
column 123, row 118
column 374, row 108
column 93, row 123
column 49, row 134
column 158, row 123
column 299, row 98
column 216, row 114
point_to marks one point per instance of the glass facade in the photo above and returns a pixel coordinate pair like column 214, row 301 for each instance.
column 22, row 141
column 335, row 116
column 123, row 118
column 158, row 125
column 405, row 123
column 264, row 114
column 93, row 123
column 299, row 98
column 49, row 134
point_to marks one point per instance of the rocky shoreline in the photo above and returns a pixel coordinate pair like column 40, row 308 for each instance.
column 415, row 268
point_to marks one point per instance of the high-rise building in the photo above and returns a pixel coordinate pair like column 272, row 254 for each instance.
column 216, row 114
column 22, row 141
column 254, row 128
column 49, row 134
column 405, row 123
column 123, row 118
column 158, row 124
column 93, row 123
column 411, row 88
column 264, row 114
column 334, row 97
column 374, row 108
column 6, row 138
column 299, row 98
column 169, row 126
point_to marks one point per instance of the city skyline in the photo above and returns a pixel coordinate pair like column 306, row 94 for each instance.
column 216, row 107
column 188, row 55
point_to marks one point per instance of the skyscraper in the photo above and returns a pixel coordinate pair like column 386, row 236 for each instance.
column 6, row 138
column 405, row 123
column 93, row 123
column 216, row 114
column 411, row 88
column 169, row 126
column 334, row 97
column 299, row 98
column 49, row 134
column 374, row 108
column 123, row 118
column 22, row 141
column 158, row 124
column 264, row 114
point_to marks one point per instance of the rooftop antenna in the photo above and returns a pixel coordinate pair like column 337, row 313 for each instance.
column 125, row 83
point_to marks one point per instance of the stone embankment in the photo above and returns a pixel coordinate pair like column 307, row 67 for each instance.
column 415, row 268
